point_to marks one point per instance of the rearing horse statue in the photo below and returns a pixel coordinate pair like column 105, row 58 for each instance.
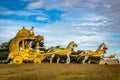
column 98, row 53
column 64, row 52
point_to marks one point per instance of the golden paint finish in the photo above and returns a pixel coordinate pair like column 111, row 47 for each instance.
column 20, row 50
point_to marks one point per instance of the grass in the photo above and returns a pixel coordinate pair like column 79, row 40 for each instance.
column 46, row 71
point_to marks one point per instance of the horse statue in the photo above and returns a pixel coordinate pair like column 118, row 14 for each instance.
column 62, row 52
column 87, row 54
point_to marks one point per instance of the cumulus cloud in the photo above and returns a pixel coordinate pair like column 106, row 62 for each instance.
column 35, row 5
column 109, row 8
column 53, row 4
column 106, row 12
column 87, row 19
column 61, row 33
column 105, row 6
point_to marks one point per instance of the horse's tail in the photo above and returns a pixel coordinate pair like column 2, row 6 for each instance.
column 51, row 50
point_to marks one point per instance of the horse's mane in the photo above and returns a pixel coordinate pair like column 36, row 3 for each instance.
column 99, row 47
column 69, row 44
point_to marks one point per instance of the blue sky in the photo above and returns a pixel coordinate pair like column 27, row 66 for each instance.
column 87, row 22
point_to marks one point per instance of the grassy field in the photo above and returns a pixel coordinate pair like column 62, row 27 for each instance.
column 46, row 71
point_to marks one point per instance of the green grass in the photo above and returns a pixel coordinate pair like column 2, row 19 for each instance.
column 46, row 71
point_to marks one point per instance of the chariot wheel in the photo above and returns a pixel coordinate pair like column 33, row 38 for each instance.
column 18, row 60
column 37, row 60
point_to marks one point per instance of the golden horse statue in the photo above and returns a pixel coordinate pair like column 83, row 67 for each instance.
column 62, row 52
column 86, row 54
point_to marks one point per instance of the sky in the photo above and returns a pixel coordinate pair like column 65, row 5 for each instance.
column 86, row 22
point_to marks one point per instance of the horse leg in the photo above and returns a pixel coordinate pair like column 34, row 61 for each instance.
column 79, row 59
column 51, row 59
column 58, row 59
column 85, row 59
column 102, row 61
column 89, row 61
column 68, row 59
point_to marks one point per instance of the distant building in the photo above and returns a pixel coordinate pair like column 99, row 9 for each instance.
column 109, row 61
column 112, row 61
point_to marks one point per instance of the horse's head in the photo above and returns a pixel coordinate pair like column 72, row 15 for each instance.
column 75, row 44
column 103, row 46
column 72, row 44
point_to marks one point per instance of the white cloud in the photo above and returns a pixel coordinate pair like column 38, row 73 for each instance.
column 90, row 24
column 60, row 33
column 53, row 4
column 70, row 3
column 42, row 18
column 28, row 13
column 94, row 17
column 85, row 19
column 86, row 16
column 35, row 5
column 8, row 13
column 22, row 12
column 109, row 8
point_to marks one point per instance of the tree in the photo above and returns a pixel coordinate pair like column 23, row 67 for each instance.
column 33, row 44
column 5, row 46
column 4, row 50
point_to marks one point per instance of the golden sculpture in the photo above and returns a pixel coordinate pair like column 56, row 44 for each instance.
column 64, row 52
column 98, row 53
column 21, row 51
